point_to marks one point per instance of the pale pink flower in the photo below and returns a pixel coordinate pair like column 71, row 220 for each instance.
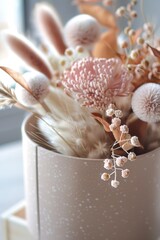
column 96, row 81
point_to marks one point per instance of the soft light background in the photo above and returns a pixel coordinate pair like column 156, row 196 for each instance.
column 17, row 14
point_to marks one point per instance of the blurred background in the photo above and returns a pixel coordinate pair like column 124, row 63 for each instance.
column 17, row 15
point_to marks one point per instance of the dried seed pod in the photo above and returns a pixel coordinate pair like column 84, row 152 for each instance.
column 125, row 173
column 146, row 102
column 105, row 176
column 115, row 183
column 39, row 88
column 120, row 161
column 108, row 164
column 121, row 11
column 135, row 141
column 81, row 30
column 132, row 156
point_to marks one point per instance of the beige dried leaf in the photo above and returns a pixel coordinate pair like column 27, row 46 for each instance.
column 106, row 46
column 7, row 96
column 155, row 51
column 103, row 122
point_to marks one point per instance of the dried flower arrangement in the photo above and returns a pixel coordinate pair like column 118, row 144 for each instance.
column 96, row 96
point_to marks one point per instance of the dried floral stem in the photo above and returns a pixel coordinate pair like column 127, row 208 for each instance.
column 52, row 128
column 40, row 139
column 45, row 107
column 142, row 10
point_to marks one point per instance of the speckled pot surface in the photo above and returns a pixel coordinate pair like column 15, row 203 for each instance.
column 66, row 199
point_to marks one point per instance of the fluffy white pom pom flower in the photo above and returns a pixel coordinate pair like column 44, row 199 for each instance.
column 39, row 86
column 81, row 30
column 146, row 102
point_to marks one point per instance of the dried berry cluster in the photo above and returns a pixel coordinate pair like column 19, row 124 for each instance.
column 122, row 149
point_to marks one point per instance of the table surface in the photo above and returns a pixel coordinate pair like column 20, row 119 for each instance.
column 11, row 176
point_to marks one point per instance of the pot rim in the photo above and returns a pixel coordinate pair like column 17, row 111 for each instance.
column 32, row 116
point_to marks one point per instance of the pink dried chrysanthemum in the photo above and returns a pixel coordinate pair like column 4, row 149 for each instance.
column 95, row 81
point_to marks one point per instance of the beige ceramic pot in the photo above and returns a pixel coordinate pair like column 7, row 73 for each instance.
column 66, row 199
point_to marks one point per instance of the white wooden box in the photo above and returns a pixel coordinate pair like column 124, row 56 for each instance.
column 14, row 225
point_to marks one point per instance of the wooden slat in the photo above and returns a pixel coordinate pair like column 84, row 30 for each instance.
column 14, row 225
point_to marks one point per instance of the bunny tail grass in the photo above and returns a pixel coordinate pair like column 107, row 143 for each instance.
column 50, row 26
column 28, row 53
